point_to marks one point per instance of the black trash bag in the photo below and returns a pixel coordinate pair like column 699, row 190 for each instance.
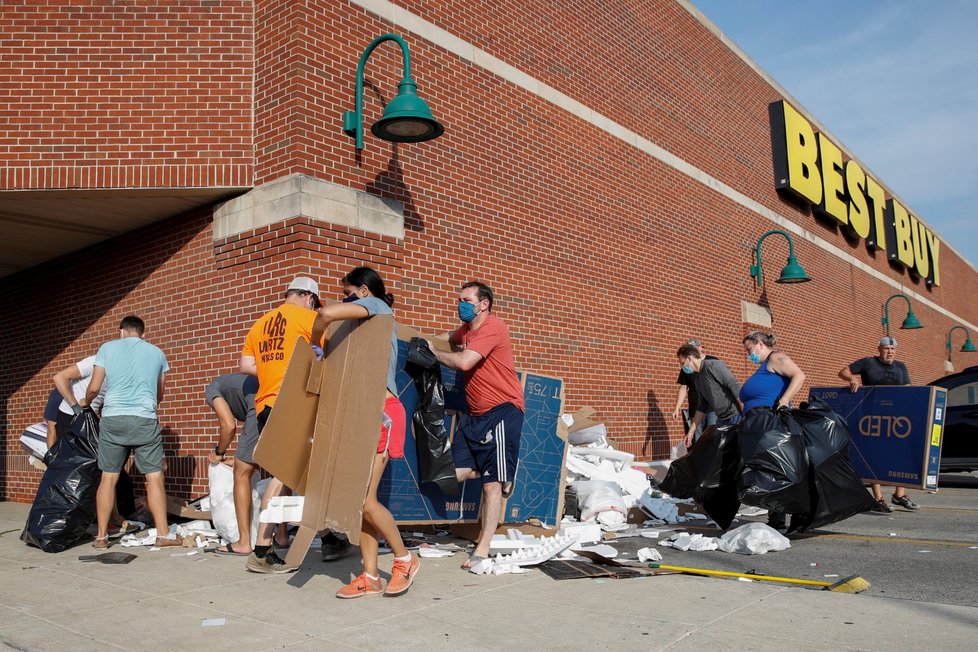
column 708, row 473
column 435, row 464
column 65, row 503
column 836, row 491
column 775, row 474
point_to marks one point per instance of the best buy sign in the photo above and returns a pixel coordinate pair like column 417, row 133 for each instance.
column 810, row 166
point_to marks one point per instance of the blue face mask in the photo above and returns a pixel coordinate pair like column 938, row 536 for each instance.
column 687, row 369
column 351, row 297
column 466, row 312
column 754, row 358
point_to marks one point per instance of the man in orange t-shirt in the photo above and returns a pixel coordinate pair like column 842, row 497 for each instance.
column 266, row 354
column 487, row 444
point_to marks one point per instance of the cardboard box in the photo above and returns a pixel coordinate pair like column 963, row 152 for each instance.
column 895, row 431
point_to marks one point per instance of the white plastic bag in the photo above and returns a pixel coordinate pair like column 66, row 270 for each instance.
column 221, row 479
column 753, row 539
column 601, row 501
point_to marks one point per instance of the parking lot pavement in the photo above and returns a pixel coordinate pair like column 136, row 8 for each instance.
column 54, row 601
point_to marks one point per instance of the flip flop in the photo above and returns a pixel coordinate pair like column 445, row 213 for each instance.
column 228, row 551
column 471, row 561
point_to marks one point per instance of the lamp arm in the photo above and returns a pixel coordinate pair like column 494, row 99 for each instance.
column 757, row 251
column 358, row 110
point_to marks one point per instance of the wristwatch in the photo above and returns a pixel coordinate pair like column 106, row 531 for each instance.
column 218, row 451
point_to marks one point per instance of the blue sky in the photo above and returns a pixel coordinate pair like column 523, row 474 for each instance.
column 894, row 81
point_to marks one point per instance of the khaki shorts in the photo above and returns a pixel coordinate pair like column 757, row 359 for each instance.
column 117, row 435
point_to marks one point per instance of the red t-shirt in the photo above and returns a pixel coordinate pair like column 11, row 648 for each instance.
column 493, row 380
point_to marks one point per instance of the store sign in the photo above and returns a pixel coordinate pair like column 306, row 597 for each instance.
column 810, row 167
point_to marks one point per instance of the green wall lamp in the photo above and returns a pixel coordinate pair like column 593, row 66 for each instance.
column 967, row 347
column 406, row 119
column 910, row 322
column 792, row 272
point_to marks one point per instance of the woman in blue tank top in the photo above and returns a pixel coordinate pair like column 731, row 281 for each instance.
column 776, row 380
column 774, row 384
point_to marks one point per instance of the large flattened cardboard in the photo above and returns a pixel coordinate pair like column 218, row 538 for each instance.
column 895, row 431
column 322, row 434
column 285, row 443
column 540, row 479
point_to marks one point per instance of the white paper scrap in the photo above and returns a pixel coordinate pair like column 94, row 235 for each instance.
column 213, row 622
column 830, row 575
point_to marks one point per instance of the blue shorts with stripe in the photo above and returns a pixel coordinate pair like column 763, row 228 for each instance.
column 490, row 443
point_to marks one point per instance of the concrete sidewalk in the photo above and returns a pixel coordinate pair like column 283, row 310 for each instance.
column 54, row 601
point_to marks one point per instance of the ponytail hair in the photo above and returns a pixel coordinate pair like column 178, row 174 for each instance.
column 760, row 337
column 368, row 276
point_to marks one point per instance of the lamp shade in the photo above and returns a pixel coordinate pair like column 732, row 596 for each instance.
column 407, row 118
column 911, row 321
column 968, row 347
column 793, row 272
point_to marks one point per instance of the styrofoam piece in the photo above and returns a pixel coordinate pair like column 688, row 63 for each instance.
column 649, row 554
column 623, row 459
column 585, row 532
column 283, row 509
column 606, row 551
column 431, row 552
column 549, row 547
column 592, row 434
column 512, row 540
column 483, row 567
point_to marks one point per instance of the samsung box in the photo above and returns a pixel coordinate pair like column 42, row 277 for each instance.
column 896, row 431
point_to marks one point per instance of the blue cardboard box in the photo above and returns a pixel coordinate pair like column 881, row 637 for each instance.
column 895, row 431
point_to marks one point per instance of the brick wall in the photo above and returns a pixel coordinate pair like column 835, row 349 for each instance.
column 604, row 258
column 99, row 93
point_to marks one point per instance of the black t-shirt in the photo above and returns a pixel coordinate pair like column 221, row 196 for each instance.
column 689, row 380
column 874, row 372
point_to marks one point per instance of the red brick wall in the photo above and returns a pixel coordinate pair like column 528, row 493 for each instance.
column 100, row 93
column 604, row 259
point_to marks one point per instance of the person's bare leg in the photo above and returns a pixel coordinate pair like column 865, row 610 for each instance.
column 877, row 491
column 380, row 520
column 265, row 530
column 899, row 492
column 156, row 500
column 461, row 475
column 105, row 502
column 492, row 512
column 242, row 505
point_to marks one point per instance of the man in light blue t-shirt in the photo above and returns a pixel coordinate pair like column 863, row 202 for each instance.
column 133, row 370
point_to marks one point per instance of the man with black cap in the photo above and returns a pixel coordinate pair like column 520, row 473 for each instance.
column 266, row 354
column 882, row 369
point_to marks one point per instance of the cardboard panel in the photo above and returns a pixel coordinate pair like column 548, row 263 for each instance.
column 286, row 441
column 541, row 477
column 348, row 421
column 895, row 431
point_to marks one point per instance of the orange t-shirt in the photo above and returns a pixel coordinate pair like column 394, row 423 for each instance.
column 493, row 380
column 271, row 342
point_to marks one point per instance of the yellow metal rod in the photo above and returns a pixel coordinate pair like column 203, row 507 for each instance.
column 770, row 578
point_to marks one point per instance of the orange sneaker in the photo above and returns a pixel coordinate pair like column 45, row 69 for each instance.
column 361, row 586
column 402, row 576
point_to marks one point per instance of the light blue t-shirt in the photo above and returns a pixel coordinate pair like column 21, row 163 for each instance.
column 377, row 306
column 132, row 371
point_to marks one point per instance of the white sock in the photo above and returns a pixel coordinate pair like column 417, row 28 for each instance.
column 405, row 558
column 372, row 577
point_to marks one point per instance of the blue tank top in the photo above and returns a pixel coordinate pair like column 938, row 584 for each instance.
column 763, row 388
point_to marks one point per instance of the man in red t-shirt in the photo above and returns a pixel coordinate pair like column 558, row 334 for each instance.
column 487, row 444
